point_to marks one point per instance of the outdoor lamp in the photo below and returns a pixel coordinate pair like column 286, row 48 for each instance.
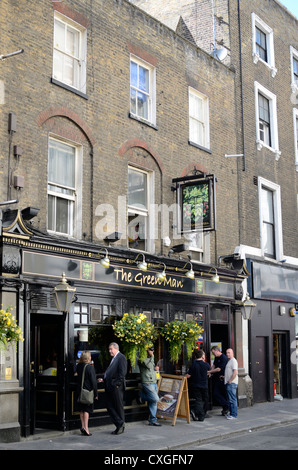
column 215, row 277
column 247, row 307
column 190, row 274
column 105, row 262
column 142, row 265
column 162, row 276
column 63, row 295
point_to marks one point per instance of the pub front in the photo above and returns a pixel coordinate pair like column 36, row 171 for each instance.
column 32, row 265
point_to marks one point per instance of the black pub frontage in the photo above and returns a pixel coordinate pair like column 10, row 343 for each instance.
column 32, row 265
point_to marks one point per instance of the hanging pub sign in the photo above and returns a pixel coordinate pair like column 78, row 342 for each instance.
column 196, row 202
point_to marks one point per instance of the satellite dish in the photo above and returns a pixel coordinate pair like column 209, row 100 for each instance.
column 220, row 54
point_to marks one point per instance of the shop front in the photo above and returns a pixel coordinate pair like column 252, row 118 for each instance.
column 54, row 340
column 273, row 332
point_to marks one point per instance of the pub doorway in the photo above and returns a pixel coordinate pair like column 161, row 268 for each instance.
column 47, row 391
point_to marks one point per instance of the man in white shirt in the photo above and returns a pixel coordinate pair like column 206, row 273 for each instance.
column 231, row 382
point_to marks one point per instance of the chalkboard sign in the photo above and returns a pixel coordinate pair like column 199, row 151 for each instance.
column 173, row 395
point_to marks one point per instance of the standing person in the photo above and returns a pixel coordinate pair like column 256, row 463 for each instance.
column 149, row 385
column 114, row 381
column 231, row 382
column 198, row 372
column 90, row 383
column 217, row 371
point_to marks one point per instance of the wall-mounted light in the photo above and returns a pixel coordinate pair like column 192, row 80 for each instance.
column 215, row 277
column 247, row 308
column 105, row 262
column 190, row 274
column 162, row 275
column 63, row 295
column 142, row 265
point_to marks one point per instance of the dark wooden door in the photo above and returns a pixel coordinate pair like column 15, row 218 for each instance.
column 260, row 383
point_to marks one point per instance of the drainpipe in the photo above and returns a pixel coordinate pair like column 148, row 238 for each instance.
column 241, row 87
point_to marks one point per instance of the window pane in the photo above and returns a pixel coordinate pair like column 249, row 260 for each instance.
column 68, row 76
column 268, row 239
column 133, row 101
column 143, row 79
column 264, row 109
column 133, row 74
column 143, row 106
column 51, row 213
column 61, row 163
column 58, row 66
column 72, row 42
column 137, row 230
column 62, row 215
column 137, row 188
column 59, row 35
column 267, row 206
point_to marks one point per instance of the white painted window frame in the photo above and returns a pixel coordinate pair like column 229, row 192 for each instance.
column 275, row 188
column 273, row 120
column 268, row 31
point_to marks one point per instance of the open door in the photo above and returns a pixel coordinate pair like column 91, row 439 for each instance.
column 47, row 372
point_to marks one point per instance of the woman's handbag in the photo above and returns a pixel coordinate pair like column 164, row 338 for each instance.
column 86, row 397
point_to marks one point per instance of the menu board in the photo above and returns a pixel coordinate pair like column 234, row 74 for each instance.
column 173, row 394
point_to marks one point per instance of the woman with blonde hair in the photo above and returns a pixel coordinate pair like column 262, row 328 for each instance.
column 90, row 383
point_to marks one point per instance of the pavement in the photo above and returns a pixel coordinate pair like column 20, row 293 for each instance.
column 140, row 436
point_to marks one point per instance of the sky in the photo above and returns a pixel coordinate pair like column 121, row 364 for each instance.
column 291, row 5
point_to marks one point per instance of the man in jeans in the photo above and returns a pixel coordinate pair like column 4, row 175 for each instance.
column 149, row 385
column 231, row 382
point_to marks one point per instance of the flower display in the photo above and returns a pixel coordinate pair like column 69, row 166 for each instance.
column 136, row 335
column 10, row 332
column 178, row 333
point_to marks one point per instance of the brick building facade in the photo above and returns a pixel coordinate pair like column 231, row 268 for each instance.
column 135, row 111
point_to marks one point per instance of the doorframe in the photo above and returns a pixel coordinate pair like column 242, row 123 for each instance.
column 36, row 320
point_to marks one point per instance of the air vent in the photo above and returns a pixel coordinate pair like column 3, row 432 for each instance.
column 255, row 180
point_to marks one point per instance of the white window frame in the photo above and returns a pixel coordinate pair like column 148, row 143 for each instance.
column 200, row 120
column 294, row 82
column 151, row 94
column 259, row 89
column 75, row 213
column 268, row 31
column 278, row 238
column 147, row 212
column 80, row 59
column 295, row 122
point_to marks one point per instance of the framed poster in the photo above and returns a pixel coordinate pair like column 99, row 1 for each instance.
column 173, row 394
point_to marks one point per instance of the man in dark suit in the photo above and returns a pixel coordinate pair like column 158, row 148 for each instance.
column 114, row 381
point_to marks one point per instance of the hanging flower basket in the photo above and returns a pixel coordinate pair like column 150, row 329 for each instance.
column 177, row 333
column 136, row 335
column 10, row 332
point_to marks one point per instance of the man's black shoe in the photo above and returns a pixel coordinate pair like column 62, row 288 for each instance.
column 155, row 424
column 119, row 430
column 193, row 415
